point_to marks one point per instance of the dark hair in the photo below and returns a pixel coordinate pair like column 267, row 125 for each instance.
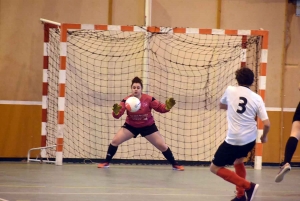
column 244, row 76
column 137, row 80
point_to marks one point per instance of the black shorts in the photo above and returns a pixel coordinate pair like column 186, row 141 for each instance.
column 144, row 131
column 227, row 153
column 297, row 114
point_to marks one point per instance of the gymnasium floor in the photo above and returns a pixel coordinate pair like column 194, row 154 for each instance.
column 85, row 182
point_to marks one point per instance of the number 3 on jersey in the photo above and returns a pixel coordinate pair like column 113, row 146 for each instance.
column 242, row 104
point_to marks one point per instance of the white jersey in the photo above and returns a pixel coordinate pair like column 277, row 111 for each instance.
column 242, row 107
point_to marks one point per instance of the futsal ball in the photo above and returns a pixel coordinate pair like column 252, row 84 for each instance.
column 133, row 104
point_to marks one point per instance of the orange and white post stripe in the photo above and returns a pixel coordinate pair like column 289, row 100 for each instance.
column 262, row 92
column 47, row 27
column 62, row 92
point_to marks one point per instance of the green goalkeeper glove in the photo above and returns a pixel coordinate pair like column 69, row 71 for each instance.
column 116, row 108
column 170, row 102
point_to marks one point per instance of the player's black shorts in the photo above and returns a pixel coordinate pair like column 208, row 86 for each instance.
column 297, row 114
column 144, row 131
column 227, row 153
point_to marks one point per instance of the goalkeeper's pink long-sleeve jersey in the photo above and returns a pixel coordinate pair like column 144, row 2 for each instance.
column 143, row 117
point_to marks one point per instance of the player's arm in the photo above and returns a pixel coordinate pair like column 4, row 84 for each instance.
column 266, row 130
column 262, row 114
column 223, row 101
column 118, row 109
column 223, row 106
column 158, row 106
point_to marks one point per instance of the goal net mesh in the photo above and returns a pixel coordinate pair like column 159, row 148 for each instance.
column 194, row 69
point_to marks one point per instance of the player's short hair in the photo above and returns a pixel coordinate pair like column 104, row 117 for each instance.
column 244, row 76
column 137, row 80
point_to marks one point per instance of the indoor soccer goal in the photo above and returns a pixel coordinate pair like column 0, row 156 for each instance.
column 88, row 68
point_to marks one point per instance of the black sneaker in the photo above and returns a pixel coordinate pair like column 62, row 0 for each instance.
column 243, row 198
column 251, row 191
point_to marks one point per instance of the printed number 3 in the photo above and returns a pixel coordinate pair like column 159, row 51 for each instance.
column 242, row 105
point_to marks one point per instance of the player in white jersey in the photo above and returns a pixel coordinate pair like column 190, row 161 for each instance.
column 290, row 146
column 242, row 105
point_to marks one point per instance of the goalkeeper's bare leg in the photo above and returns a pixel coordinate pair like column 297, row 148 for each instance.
column 122, row 135
column 158, row 141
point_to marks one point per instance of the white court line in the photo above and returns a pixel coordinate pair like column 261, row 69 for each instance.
column 143, row 194
column 20, row 186
column 1, row 199
column 10, row 102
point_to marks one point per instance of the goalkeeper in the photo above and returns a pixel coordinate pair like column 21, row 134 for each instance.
column 141, row 122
